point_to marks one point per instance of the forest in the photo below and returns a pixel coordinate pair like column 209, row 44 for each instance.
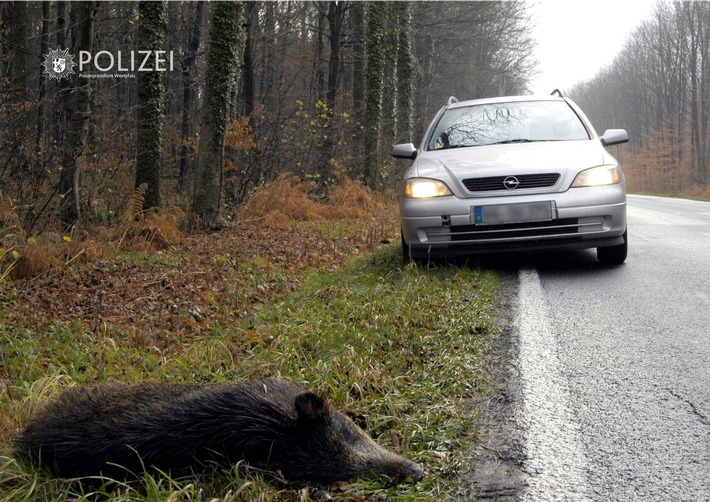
column 190, row 105
column 658, row 88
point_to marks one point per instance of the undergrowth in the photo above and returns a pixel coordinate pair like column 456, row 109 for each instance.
column 289, row 198
column 278, row 204
column 401, row 349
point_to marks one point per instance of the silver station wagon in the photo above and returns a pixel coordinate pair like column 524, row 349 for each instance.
column 512, row 174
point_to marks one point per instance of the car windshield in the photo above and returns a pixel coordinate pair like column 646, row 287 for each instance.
column 512, row 122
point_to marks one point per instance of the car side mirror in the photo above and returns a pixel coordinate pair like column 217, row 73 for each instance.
column 405, row 151
column 614, row 137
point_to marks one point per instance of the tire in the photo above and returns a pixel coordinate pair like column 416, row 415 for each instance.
column 406, row 256
column 614, row 255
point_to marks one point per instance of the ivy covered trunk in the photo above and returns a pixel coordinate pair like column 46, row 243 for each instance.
column 404, row 79
column 150, row 113
column 374, row 83
column 222, row 63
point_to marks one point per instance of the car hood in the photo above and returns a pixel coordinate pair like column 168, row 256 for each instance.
column 564, row 157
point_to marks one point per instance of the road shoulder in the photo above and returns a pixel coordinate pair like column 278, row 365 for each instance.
column 498, row 474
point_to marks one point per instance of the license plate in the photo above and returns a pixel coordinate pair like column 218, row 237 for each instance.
column 512, row 213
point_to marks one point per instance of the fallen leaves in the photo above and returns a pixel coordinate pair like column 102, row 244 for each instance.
column 183, row 291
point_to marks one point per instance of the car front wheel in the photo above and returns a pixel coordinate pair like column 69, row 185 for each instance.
column 614, row 255
column 405, row 250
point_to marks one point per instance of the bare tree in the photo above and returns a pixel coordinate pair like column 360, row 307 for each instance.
column 324, row 83
column 375, row 16
column 77, row 110
column 150, row 112
column 658, row 87
column 335, row 16
column 188, row 97
column 405, row 75
column 222, row 61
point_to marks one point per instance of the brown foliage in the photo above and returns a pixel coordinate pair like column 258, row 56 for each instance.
column 177, row 286
column 161, row 299
column 661, row 166
column 285, row 200
column 23, row 257
column 134, row 211
column 698, row 191
column 289, row 199
column 276, row 205
column 9, row 221
column 156, row 230
column 239, row 135
column 351, row 199
column 143, row 231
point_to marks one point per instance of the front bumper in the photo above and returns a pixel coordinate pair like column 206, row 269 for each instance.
column 581, row 218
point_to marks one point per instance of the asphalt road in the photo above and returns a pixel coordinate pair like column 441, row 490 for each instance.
column 614, row 364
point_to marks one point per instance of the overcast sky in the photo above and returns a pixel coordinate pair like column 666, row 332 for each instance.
column 576, row 38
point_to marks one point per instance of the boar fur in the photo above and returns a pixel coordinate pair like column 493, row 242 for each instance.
column 118, row 431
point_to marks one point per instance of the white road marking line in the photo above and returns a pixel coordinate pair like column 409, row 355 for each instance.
column 555, row 457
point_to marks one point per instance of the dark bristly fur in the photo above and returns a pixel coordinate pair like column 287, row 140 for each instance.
column 118, row 430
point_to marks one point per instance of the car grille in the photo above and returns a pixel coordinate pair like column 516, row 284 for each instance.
column 498, row 182
column 564, row 226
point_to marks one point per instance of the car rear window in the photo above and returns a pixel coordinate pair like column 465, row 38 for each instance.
column 512, row 122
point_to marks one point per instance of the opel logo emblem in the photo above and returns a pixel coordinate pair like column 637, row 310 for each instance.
column 511, row 183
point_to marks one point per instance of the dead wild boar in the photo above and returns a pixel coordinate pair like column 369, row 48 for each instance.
column 115, row 430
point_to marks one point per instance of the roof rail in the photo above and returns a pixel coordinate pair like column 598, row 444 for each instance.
column 452, row 100
column 558, row 92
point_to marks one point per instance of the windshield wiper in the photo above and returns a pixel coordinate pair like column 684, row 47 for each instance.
column 516, row 140
column 451, row 147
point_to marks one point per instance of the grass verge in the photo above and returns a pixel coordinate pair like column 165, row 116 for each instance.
column 401, row 349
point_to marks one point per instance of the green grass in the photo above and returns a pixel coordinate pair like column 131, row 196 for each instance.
column 402, row 348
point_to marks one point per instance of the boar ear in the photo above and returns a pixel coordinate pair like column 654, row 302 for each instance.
column 311, row 406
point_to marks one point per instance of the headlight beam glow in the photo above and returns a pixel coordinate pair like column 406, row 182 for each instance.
column 599, row 176
column 424, row 188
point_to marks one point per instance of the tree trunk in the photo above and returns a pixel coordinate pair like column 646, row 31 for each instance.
column 222, row 64
column 318, row 71
column 251, row 15
column 150, row 112
column 405, row 74
column 269, row 64
column 188, row 97
column 358, row 21
column 77, row 111
column 336, row 15
column 374, row 84
column 44, row 49
column 14, row 50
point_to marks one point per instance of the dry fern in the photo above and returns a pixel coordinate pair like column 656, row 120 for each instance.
column 135, row 204
column 156, row 230
column 284, row 200
column 352, row 200
column 288, row 199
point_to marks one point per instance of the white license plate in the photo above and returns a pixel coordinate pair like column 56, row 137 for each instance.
column 512, row 213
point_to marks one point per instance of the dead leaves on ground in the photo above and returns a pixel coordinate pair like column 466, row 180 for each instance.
column 180, row 292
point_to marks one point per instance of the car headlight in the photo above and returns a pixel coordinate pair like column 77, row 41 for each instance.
column 423, row 188
column 599, row 176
